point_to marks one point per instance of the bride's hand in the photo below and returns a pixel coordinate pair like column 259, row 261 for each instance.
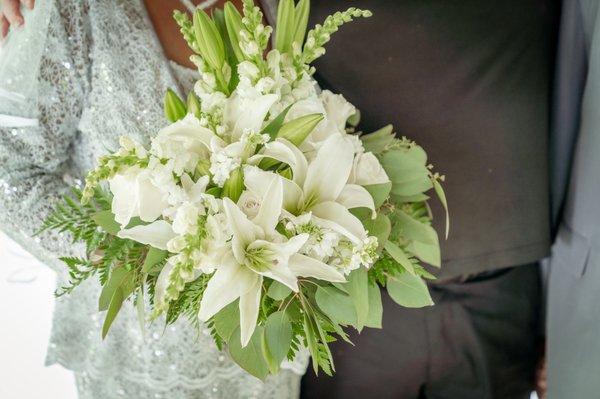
column 10, row 14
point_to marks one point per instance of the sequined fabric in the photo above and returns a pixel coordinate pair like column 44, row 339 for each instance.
column 77, row 77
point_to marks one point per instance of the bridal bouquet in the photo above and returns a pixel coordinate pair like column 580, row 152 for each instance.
column 260, row 211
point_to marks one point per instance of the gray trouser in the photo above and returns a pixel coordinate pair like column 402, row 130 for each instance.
column 479, row 341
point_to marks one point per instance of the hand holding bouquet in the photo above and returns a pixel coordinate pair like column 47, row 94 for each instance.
column 260, row 210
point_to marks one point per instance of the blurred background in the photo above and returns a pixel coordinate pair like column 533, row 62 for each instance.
column 26, row 306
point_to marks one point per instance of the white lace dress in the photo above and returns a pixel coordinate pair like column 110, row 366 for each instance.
column 78, row 76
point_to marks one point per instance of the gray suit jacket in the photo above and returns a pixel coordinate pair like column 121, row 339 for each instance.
column 574, row 288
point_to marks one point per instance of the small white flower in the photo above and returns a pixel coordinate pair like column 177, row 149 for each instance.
column 221, row 167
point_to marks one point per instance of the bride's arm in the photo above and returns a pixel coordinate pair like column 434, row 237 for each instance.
column 43, row 85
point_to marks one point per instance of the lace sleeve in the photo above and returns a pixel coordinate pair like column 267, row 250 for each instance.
column 43, row 84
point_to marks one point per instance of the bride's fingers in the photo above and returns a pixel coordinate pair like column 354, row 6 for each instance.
column 28, row 3
column 3, row 26
column 12, row 12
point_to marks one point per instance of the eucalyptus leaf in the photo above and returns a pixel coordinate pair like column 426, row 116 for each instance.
column 378, row 141
column 418, row 185
column 277, row 339
column 106, row 220
column 374, row 319
column 116, row 277
column 415, row 230
column 358, row 290
column 409, row 291
column 227, row 320
column 153, row 257
column 336, row 305
column 124, row 288
column 439, row 190
column 428, row 253
column 278, row 291
column 379, row 227
column 399, row 256
column 379, row 192
column 250, row 357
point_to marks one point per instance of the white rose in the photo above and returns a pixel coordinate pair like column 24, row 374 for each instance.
column 134, row 194
column 184, row 142
column 367, row 170
column 249, row 203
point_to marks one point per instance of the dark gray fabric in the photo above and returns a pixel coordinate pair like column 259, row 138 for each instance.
column 571, row 72
column 469, row 81
column 574, row 290
column 478, row 342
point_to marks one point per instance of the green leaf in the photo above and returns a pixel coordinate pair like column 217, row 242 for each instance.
column 378, row 141
column 301, row 21
column 233, row 186
column 106, row 220
column 415, row 230
column 174, row 107
column 358, row 290
column 227, row 320
column 379, row 192
column 153, row 257
column 407, row 169
column 277, row 339
column 124, row 288
column 375, row 316
column 250, row 358
column 297, row 130
column 439, row 190
column 284, row 31
column 273, row 128
column 233, row 22
column 399, row 256
column 116, row 277
column 379, row 227
column 336, row 305
column 409, row 291
column 400, row 199
column 428, row 253
column 193, row 105
column 278, row 291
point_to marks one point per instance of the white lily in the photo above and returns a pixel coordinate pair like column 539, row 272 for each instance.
column 319, row 186
column 258, row 251
column 247, row 113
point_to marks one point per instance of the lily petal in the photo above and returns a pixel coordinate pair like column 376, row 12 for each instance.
column 305, row 266
column 270, row 207
column 284, row 151
column 230, row 281
column 355, row 196
column 156, row 234
column 249, row 306
column 244, row 231
column 328, row 172
column 337, row 217
column 151, row 200
column 249, row 113
column 258, row 181
column 124, row 197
